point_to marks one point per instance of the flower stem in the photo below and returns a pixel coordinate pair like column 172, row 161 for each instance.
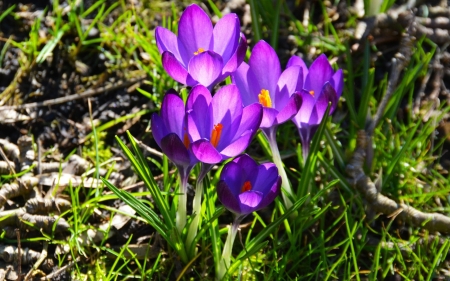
column 271, row 135
column 305, row 151
column 196, row 210
column 181, row 211
column 224, row 263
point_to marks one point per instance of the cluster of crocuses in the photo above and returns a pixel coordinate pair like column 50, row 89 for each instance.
column 209, row 129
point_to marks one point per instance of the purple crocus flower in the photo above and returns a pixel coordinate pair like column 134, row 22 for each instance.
column 261, row 80
column 170, row 133
column 201, row 54
column 220, row 127
column 246, row 187
column 321, row 86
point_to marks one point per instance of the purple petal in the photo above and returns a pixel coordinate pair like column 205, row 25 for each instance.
column 173, row 112
column 308, row 105
column 269, row 117
column 290, row 81
column 265, row 65
column 267, row 175
column 166, row 40
column 238, row 146
column 199, row 122
column 227, row 110
column 159, row 129
column 249, row 201
column 338, row 82
column 271, row 195
column 247, row 84
column 237, row 57
column 320, row 72
column 251, row 118
column 175, row 150
column 205, row 67
column 227, row 105
column 227, row 198
column 247, row 167
column 290, row 109
column 297, row 61
column 233, row 176
column 226, row 35
column 328, row 94
column 205, row 152
column 194, row 29
column 175, row 70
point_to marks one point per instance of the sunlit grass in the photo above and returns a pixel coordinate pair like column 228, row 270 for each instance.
column 334, row 235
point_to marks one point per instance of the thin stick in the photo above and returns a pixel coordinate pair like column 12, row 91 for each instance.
column 85, row 94
column 382, row 204
column 39, row 261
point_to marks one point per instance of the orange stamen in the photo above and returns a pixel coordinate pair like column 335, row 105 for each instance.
column 311, row 93
column 215, row 134
column 264, row 98
column 199, row 51
column 246, row 186
column 186, row 140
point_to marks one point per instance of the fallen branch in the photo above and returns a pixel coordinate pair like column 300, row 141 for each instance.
column 382, row 204
column 85, row 94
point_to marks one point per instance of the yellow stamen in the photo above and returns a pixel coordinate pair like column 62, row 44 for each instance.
column 186, row 140
column 311, row 93
column 215, row 134
column 199, row 51
column 246, row 186
column 264, row 98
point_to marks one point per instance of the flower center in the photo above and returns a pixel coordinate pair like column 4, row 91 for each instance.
column 247, row 186
column 186, row 140
column 199, row 51
column 311, row 93
column 264, row 98
column 215, row 134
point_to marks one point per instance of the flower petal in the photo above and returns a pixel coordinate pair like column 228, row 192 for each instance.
column 267, row 175
column 173, row 112
column 308, row 105
column 328, row 94
column 320, row 72
column 291, row 80
column 269, row 117
column 199, row 120
column 175, row 70
column 205, row 67
column 236, row 59
column 227, row 198
column 266, row 67
column 166, row 40
column 271, row 195
column 247, row 167
column 175, row 150
column 159, row 129
column 251, row 118
column 338, row 82
column 227, row 110
column 290, row 109
column 194, row 29
column 297, row 61
column 233, row 176
column 237, row 146
column 226, row 36
column 249, row 201
column 247, row 84
column 205, row 152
